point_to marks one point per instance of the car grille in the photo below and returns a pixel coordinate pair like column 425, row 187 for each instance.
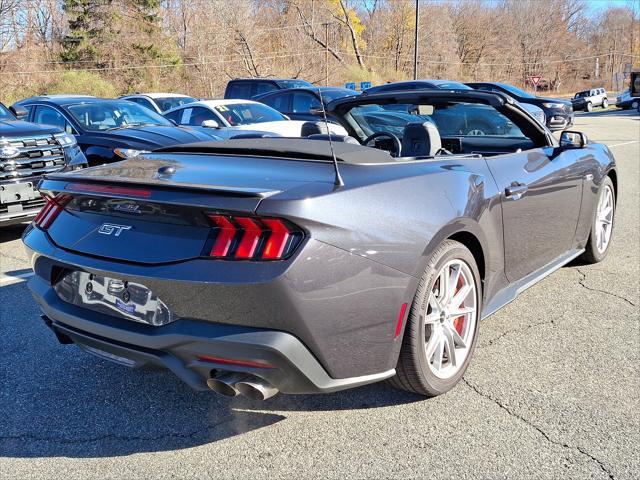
column 38, row 155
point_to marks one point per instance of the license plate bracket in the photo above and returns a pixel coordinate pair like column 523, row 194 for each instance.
column 17, row 192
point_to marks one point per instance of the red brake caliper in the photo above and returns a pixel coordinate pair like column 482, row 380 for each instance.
column 458, row 323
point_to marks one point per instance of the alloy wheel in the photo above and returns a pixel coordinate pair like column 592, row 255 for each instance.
column 604, row 219
column 450, row 319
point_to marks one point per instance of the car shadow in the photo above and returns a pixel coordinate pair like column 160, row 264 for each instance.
column 58, row 401
column 12, row 232
column 608, row 113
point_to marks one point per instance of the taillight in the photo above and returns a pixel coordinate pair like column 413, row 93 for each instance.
column 236, row 237
column 51, row 209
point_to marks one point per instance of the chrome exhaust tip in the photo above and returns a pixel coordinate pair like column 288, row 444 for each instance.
column 256, row 389
column 224, row 384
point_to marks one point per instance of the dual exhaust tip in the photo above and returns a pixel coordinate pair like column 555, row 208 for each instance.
column 232, row 384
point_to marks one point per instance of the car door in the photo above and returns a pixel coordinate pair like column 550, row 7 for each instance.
column 541, row 193
column 49, row 116
column 280, row 102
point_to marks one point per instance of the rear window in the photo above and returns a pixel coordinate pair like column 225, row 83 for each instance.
column 293, row 83
column 167, row 103
column 240, row 90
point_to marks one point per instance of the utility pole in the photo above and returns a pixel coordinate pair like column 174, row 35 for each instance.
column 326, row 54
column 415, row 42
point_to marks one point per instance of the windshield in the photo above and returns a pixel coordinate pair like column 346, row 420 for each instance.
column 5, row 114
column 109, row 115
column 167, row 103
column 582, row 94
column 293, row 84
column 516, row 91
column 248, row 113
column 453, row 119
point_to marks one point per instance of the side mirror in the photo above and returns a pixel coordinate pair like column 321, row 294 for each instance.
column 569, row 139
column 210, row 124
column 20, row 112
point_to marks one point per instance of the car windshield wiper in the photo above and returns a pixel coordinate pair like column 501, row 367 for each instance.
column 139, row 124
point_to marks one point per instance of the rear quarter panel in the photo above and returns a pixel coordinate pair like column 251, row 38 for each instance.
column 397, row 214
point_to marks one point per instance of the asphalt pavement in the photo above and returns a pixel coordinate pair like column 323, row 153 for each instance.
column 552, row 391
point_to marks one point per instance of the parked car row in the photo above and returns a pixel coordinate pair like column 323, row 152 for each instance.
column 99, row 130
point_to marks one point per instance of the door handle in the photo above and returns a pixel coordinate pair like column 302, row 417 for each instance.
column 516, row 190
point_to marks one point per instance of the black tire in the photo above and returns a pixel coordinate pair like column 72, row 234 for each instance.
column 591, row 253
column 605, row 103
column 413, row 373
column 588, row 107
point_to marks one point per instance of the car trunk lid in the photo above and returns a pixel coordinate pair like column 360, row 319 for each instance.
column 154, row 209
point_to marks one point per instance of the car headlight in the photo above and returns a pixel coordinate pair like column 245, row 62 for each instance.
column 66, row 139
column 552, row 105
column 128, row 152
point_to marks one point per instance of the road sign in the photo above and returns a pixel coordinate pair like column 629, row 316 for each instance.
column 535, row 79
column 350, row 85
column 365, row 85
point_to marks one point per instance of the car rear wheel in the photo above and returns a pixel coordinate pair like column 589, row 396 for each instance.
column 605, row 103
column 634, row 104
column 602, row 224
column 589, row 107
column 441, row 331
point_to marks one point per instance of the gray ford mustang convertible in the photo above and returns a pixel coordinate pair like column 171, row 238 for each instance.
column 262, row 265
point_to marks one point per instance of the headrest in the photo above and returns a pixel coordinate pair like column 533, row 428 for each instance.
column 421, row 139
column 313, row 128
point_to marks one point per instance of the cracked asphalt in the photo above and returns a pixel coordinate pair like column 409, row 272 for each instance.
column 552, row 391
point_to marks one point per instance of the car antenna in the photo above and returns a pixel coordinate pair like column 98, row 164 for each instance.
column 338, row 179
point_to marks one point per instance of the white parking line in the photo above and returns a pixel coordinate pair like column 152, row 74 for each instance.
column 9, row 279
column 623, row 143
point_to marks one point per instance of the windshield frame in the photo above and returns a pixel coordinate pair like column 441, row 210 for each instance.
column 5, row 113
column 157, row 119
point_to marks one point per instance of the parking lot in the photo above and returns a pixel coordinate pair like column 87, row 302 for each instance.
column 552, row 391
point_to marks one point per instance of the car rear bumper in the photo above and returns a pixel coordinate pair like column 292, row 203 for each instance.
column 320, row 332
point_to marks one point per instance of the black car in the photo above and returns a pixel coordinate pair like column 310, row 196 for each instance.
column 109, row 130
column 27, row 152
column 304, row 266
column 303, row 103
column 558, row 112
column 247, row 88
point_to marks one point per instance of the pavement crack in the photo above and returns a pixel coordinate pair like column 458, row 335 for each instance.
column 112, row 437
column 583, row 277
column 544, row 434
column 516, row 330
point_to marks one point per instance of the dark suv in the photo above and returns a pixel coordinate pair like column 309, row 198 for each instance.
column 27, row 152
column 247, row 88
column 558, row 112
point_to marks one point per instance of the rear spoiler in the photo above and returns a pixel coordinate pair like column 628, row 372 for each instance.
column 66, row 182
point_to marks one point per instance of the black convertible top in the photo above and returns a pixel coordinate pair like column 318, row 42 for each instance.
column 297, row 148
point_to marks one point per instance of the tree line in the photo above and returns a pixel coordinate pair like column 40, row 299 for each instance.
column 110, row 47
